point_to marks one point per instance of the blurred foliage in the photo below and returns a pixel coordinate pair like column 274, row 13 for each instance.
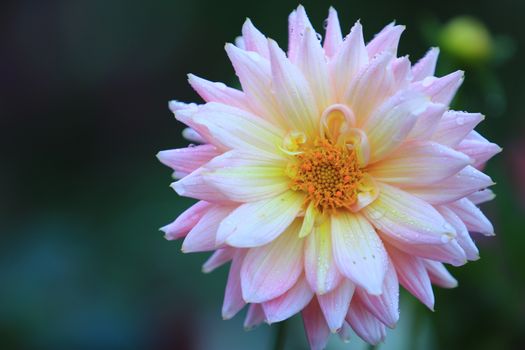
column 83, row 103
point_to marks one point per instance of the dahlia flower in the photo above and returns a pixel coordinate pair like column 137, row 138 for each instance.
column 337, row 173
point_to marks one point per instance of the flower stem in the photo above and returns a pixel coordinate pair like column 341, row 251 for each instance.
column 280, row 337
column 372, row 347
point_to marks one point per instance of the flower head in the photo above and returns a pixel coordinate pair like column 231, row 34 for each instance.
column 336, row 174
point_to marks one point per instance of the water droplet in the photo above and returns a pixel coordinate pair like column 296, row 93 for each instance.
column 427, row 81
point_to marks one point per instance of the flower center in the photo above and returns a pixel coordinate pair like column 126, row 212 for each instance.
column 329, row 175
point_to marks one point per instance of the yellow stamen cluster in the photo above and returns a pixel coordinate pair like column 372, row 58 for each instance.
column 328, row 174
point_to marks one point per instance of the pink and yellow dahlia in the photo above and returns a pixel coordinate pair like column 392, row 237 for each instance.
column 337, row 173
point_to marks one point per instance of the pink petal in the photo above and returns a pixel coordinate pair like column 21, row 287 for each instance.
column 185, row 221
column 358, row 251
column 219, row 257
column 218, row 92
column 321, row 270
column 255, row 76
column 312, row 62
column 479, row 150
column 366, row 326
column 239, row 42
column 482, row 196
column 192, row 135
column 335, row 304
column 406, row 218
column 233, row 128
column 427, row 122
column 391, row 123
column 196, row 133
column 426, row 66
column 289, row 303
column 472, row 217
column 195, row 186
column 293, row 92
column 419, row 163
column 257, row 223
column 464, row 183
column 384, row 307
column 401, row 69
column 413, row 275
column 441, row 90
column 450, row 253
column 333, row 37
column 348, row 61
column 454, row 126
column 254, row 316
column 201, row 238
column 386, row 40
column 439, row 274
column 247, row 177
column 273, row 269
column 371, row 87
column 463, row 237
column 186, row 160
column 233, row 301
column 254, row 40
column 315, row 326
column 298, row 22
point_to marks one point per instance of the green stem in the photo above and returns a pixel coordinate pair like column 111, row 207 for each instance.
column 373, row 347
column 280, row 337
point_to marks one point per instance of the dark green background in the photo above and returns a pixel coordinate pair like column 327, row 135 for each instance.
column 84, row 87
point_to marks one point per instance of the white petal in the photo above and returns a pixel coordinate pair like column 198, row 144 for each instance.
column 321, row 270
column 358, row 251
column 371, row 87
column 348, row 60
column 333, row 37
column 472, row 217
column 233, row 128
column 407, row 219
column 441, row 90
column 247, row 177
column 464, row 183
column 298, row 22
column 312, row 62
column 255, row 76
column 257, row 223
column 218, row 92
column 293, row 93
column 419, row 163
column 390, row 124
column 254, row 40
column 463, row 237
column 426, row 66
column 386, row 40
column 454, row 126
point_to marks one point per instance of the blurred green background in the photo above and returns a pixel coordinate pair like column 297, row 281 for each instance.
column 84, row 87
